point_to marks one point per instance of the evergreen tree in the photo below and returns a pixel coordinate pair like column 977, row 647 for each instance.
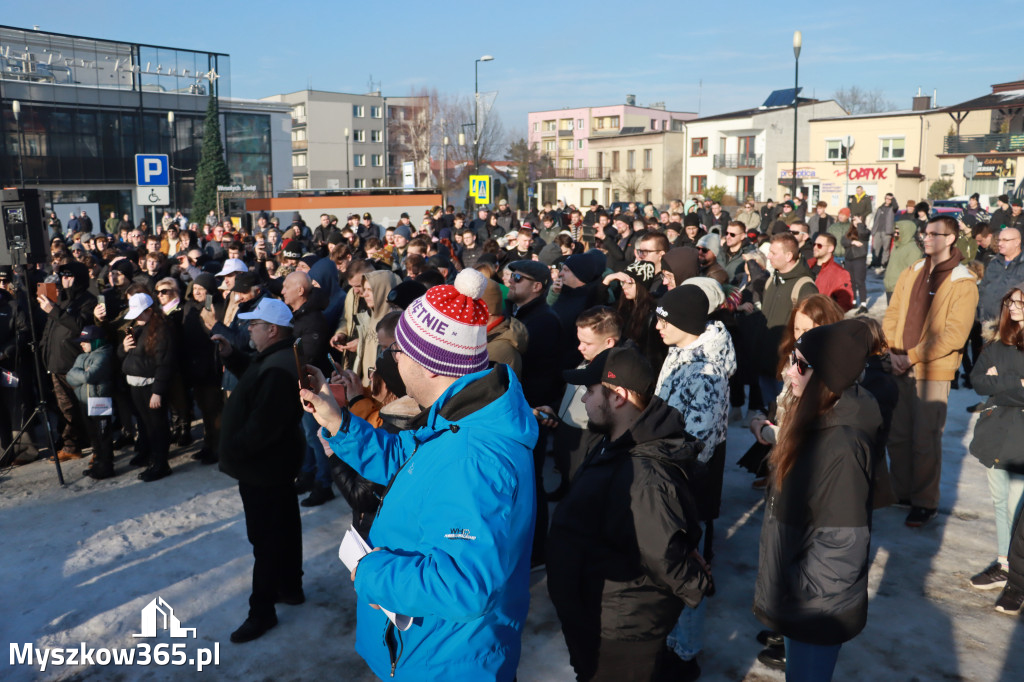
column 212, row 170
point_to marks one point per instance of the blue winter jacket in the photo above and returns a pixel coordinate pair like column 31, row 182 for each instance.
column 455, row 531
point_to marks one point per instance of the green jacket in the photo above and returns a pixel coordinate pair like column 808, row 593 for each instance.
column 839, row 230
column 905, row 253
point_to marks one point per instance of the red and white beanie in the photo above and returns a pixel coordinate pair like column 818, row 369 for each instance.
column 445, row 329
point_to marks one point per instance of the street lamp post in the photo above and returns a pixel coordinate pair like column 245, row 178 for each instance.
column 170, row 166
column 444, row 170
column 16, row 109
column 476, row 110
column 348, row 162
column 797, row 43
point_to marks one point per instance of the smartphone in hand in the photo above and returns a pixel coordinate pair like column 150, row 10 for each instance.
column 303, row 376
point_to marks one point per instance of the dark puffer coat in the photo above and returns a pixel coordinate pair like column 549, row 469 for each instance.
column 812, row 582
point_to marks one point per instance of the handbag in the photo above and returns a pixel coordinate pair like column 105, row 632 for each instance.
column 98, row 407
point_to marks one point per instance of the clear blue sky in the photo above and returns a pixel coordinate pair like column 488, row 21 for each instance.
column 554, row 54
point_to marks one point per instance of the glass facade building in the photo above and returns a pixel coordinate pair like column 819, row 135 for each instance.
column 88, row 106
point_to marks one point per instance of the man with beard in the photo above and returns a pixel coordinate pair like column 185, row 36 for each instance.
column 623, row 538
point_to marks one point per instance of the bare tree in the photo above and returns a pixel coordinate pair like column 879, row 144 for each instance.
column 630, row 184
column 457, row 114
column 412, row 123
column 857, row 100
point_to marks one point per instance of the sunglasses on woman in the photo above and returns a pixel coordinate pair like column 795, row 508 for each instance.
column 801, row 365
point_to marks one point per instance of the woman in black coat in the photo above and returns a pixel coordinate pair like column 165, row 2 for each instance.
column 815, row 540
column 147, row 355
column 999, row 374
column 855, row 242
column 200, row 365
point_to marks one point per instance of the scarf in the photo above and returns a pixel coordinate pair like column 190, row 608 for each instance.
column 922, row 294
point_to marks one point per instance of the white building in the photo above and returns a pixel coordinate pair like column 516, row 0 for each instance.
column 733, row 150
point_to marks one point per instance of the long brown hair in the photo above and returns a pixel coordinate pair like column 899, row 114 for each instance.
column 815, row 401
column 1010, row 332
column 821, row 309
column 156, row 328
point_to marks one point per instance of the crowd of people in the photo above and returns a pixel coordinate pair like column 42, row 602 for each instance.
column 470, row 349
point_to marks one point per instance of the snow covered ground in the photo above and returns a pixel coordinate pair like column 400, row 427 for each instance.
column 79, row 563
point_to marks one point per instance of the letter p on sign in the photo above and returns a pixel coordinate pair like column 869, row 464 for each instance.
column 151, row 170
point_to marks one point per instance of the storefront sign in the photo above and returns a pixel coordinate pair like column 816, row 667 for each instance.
column 800, row 173
column 992, row 167
column 864, row 173
column 236, row 188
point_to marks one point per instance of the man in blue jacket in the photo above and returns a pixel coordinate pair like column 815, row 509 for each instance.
column 453, row 534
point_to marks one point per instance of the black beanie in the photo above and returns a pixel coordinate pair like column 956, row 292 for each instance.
column 837, row 352
column 588, row 267
column 685, row 307
column 691, row 220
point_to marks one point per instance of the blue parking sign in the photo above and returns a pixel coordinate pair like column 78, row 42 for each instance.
column 152, row 170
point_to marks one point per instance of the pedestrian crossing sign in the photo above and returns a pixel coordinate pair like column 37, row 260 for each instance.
column 480, row 188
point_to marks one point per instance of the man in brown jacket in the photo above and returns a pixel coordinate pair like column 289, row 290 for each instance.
column 926, row 325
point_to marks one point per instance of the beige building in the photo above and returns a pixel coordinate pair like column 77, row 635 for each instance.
column 905, row 152
column 641, row 166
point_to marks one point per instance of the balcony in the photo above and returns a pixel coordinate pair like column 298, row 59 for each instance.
column 298, row 145
column 590, row 173
column 737, row 161
column 298, row 121
column 983, row 144
column 565, row 133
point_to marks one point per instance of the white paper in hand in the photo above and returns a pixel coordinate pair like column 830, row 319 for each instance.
column 353, row 548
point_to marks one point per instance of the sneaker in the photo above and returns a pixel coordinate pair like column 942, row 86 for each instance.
column 919, row 516
column 992, row 578
column 252, row 629
column 1010, row 600
column 774, row 657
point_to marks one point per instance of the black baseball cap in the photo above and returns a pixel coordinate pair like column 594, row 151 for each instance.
column 244, row 281
column 623, row 367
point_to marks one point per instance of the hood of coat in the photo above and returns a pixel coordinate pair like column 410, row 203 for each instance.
column 659, row 433
column 511, row 331
column 381, row 282
column 491, row 400
column 907, row 228
column 799, row 271
column 856, row 407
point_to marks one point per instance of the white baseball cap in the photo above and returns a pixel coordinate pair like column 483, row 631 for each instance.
column 231, row 266
column 269, row 310
column 137, row 304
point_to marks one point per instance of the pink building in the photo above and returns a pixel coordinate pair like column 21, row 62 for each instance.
column 562, row 134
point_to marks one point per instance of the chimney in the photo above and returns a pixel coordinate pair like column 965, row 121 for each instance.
column 922, row 103
column 631, row 100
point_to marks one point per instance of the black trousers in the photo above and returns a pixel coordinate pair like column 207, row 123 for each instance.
column 154, row 429
column 275, row 532
column 98, row 429
column 618, row 661
column 858, row 269
column 210, row 400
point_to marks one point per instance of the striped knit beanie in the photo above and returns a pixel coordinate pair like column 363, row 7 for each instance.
column 445, row 330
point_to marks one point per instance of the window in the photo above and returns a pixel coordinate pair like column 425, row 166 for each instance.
column 376, row 136
column 376, row 112
column 579, row 163
column 300, row 183
column 615, row 161
column 536, row 127
column 698, row 183
column 834, row 149
column 359, row 136
column 565, row 145
column 359, row 159
column 647, row 193
column 299, row 135
column 677, row 126
column 357, row 110
column 565, row 124
column 699, row 146
column 299, row 112
column 550, row 146
column 648, row 159
column 378, row 182
column 359, row 183
column 377, row 160
column 298, row 159
column 549, row 126
column 744, row 186
column 579, row 144
column 891, row 147
column 580, row 122
column 606, row 122
column 600, row 161
column 631, row 160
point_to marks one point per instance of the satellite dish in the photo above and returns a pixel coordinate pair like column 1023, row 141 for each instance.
column 849, row 141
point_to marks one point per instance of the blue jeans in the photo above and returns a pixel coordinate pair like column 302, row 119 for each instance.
column 810, row 662
column 1007, row 492
column 687, row 637
column 316, row 459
